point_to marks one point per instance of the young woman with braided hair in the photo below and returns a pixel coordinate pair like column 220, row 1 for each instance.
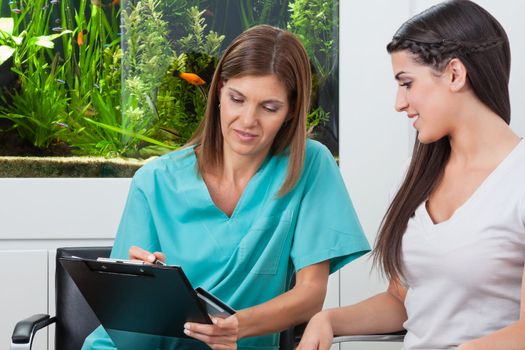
column 452, row 242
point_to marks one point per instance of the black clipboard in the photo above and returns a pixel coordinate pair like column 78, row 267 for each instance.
column 148, row 299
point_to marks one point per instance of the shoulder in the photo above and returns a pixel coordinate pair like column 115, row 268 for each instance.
column 514, row 167
column 168, row 165
column 315, row 150
column 318, row 161
column 514, row 183
column 317, row 158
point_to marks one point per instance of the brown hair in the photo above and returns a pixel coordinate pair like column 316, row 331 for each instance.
column 261, row 50
column 452, row 29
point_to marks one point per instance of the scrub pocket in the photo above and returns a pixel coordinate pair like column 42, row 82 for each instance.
column 262, row 248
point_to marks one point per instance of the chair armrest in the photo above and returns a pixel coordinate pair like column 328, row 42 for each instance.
column 390, row 337
column 25, row 330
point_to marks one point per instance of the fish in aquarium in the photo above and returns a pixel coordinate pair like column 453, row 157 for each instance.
column 191, row 78
column 80, row 38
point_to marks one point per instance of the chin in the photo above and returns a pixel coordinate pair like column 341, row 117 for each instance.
column 427, row 139
column 244, row 150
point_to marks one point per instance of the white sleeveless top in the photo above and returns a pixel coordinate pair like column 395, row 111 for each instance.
column 463, row 276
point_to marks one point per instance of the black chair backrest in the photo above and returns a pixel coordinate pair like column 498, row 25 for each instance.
column 75, row 319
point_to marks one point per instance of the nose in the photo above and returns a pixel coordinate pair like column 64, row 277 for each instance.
column 401, row 100
column 248, row 117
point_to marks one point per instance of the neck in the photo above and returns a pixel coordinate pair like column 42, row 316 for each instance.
column 237, row 170
column 480, row 137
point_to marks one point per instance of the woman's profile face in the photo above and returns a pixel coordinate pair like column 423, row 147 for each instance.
column 424, row 96
column 252, row 110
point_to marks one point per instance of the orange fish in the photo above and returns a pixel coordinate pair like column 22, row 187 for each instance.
column 80, row 38
column 115, row 2
column 192, row 78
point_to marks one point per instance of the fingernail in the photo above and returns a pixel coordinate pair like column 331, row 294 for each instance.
column 186, row 326
column 214, row 320
column 152, row 258
column 187, row 332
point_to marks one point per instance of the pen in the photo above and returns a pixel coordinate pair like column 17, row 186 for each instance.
column 159, row 262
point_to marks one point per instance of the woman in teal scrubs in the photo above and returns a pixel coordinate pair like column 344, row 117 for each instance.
column 248, row 203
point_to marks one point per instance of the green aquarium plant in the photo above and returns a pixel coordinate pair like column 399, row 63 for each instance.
column 148, row 55
column 38, row 107
column 8, row 42
column 94, row 67
column 182, row 94
column 253, row 12
column 316, row 23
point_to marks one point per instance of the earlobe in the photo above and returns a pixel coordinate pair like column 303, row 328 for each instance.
column 458, row 74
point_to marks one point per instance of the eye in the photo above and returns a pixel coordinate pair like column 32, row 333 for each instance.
column 270, row 109
column 406, row 84
column 236, row 99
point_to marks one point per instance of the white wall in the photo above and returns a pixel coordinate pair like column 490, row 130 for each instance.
column 375, row 141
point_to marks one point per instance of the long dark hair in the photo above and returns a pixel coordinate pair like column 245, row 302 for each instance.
column 452, row 29
column 261, row 50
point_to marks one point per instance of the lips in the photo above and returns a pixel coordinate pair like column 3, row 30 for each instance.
column 413, row 116
column 244, row 136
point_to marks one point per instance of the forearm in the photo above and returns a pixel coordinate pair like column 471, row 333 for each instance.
column 293, row 307
column 382, row 313
column 508, row 338
column 296, row 306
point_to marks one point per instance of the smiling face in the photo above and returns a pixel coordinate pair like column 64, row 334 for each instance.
column 424, row 96
column 253, row 109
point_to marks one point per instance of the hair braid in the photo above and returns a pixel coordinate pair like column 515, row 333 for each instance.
column 438, row 53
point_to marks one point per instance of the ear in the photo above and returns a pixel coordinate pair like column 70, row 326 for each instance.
column 457, row 74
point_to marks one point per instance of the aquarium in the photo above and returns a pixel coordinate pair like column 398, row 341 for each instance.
column 117, row 82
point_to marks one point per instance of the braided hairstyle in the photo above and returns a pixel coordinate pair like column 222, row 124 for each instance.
column 452, row 29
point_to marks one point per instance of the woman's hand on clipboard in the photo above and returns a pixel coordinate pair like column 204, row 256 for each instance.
column 137, row 253
column 221, row 335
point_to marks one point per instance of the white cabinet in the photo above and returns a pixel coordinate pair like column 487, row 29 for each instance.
column 36, row 217
column 23, row 291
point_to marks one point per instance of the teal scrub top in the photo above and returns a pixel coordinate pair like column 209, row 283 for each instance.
column 250, row 257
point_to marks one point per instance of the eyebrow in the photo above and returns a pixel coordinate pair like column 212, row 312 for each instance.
column 397, row 76
column 266, row 101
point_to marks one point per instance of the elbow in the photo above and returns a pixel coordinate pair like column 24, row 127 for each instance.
column 318, row 305
column 315, row 301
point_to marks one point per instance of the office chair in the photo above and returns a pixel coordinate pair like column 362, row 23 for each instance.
column 71, row 330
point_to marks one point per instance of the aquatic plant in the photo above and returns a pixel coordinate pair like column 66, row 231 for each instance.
column 182, row 95
column 196, row 40
column 148, row 54
column 317, row 116
column 38, row 107
column 8, row 41
column 316, row 23
column 253, row 12
column 94, row 70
